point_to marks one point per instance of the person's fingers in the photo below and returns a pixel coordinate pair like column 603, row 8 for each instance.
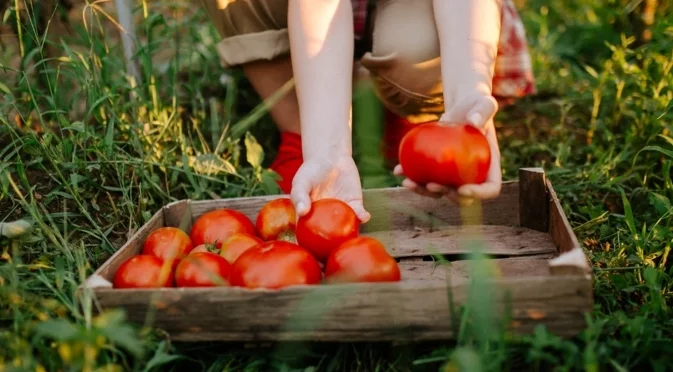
column 360, row 211
column 491, row 188
column 486, row 190
column 398, row 170
column 300, row 194
column 437, row 188
column 477, row 109
column 482, row 111
column 413, row 186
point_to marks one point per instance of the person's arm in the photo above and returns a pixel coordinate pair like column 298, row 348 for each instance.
column 469, row 31
column 321, row 45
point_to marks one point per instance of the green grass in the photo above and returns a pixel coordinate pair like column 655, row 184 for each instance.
column 89, row 158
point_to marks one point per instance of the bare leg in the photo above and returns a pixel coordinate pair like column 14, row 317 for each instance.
column 267, row 77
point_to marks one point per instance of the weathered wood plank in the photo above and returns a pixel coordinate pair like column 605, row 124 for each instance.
column 179, row 214
column 459, row 271
column 399, row 208
column 533, row 199
column 559, row 228
column 453, row 240
column 363, row 312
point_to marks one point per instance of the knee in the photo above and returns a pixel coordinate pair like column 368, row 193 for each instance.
column 404, row 63
column 251, row 30
column 412, row 90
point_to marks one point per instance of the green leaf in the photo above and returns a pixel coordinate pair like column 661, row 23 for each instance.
column 269, row 185
column 160, row 358
column 660, row 202
column 466, row 359
column 254, row 151
column 77, row 126
column 5, row 88
column 651, row 278
column 109, row 136
column 57, row 329
column 628, row 214
column 112, row 325
column 658, row 149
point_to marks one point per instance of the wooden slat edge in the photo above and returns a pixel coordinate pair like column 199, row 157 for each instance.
column 178, row 214
column 571, row 259
column 533, row 199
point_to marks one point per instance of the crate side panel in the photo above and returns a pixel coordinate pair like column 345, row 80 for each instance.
column 402, row 209
column 533, row 199
column 559, row 227
column 495, row 240
column 179, row 214
column 366, row 312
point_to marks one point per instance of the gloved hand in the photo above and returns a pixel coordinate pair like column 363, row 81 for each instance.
column 477, row 109
column 328, row 178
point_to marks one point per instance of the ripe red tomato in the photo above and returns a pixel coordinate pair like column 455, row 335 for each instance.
column 202, row 269
column 143, row 271
column 168, row 243
column 216, row 226
column 329, row 223
column 277, row 220
column 238, row 243
column 273, row 265
column 362, row 259
column 205, row 248
column 448, row 155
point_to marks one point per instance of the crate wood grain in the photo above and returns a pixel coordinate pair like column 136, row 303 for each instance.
column 537, row 269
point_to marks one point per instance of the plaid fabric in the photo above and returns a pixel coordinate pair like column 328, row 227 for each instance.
column 513, row 77
column 359, row 18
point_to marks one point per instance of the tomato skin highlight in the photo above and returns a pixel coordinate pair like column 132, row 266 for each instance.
column 143, row 271
column 216, row 226
column 238, row 243
column 274, row 265
column 169, row 244
column 361, row 260
column 328, row 224
column 449, row 155
column 202, row 269
column 275, row 218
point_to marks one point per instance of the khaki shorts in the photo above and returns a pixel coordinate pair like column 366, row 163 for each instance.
column 403, row 63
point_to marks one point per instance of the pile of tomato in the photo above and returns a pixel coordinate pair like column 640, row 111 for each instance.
column 225, row 248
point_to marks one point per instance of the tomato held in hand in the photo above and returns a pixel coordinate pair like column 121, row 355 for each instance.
column 143, row 271
column 277, row 220
column 329, row 223
column 169, row 244
column 361, row 260
column 237, row 244
column 216, row 226
column 202, row 269
column 273, row 265
column 449, row 155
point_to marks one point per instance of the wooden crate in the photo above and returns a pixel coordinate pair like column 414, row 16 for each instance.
column 542, row 271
